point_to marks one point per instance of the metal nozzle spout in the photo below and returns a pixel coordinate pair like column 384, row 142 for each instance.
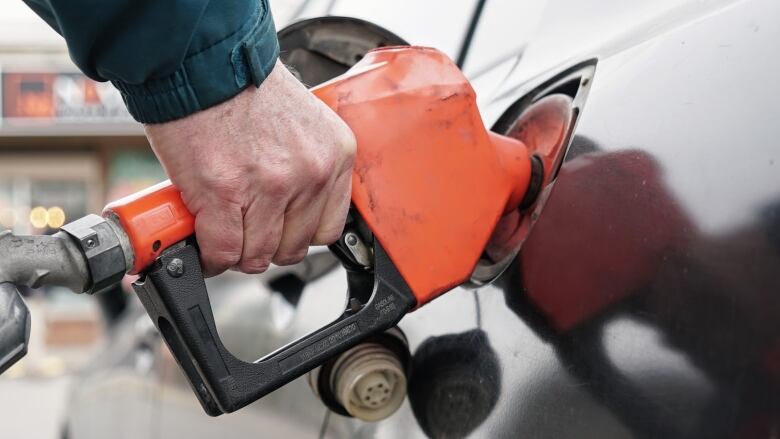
column 34, row 261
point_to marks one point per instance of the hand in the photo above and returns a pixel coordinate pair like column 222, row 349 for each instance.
column 266, row 174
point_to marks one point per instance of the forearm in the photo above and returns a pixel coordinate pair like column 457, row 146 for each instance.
column 168, row 58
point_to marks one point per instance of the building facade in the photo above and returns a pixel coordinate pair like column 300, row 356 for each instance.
column 66, row 142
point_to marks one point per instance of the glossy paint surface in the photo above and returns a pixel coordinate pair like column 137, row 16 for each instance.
column 645, row 302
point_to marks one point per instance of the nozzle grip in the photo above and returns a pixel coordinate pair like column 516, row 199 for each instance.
column 153, row 220
column 174, row 294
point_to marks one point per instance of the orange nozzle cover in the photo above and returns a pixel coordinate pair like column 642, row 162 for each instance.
column 153, row 219
column 429, row 180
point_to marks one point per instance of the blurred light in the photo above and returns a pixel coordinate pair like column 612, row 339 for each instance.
column 55, row 217
column 39, row 217
column 7, row 217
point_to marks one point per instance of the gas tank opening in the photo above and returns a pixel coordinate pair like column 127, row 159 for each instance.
column 543, row 120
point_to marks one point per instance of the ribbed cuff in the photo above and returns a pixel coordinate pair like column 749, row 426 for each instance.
column 208, row 77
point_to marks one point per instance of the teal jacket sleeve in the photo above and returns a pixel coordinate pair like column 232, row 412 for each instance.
column 168, row 58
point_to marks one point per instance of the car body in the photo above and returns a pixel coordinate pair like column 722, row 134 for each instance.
column 644, row 302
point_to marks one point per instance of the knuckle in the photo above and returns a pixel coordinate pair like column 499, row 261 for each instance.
column 290, row 258
column 319, row 171
column 254, row 266
column 274, row 182
column 222, row 260
column 327, row 236
column 343, row 136
column 227, row 189
column 256, row 258
column 348, row 144
column 324, row 167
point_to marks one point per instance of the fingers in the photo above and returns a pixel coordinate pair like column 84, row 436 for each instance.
column 311, row 219
column 334, row 215
column 272, row 228
column 219, row 230
column 263, row 225
column 300, row 223
column 318, row 215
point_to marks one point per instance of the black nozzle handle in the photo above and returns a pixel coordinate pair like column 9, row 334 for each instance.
column 174, row 294
column 14, row 326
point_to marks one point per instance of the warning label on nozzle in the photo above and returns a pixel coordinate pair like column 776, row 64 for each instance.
column 316, row 348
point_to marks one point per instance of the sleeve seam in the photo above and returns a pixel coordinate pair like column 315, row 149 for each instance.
column 182, row 70
column 257, row 19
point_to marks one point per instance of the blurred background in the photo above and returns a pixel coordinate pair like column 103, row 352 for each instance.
column 66, row 145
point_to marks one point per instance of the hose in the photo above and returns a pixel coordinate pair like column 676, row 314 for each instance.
column 35, row 261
